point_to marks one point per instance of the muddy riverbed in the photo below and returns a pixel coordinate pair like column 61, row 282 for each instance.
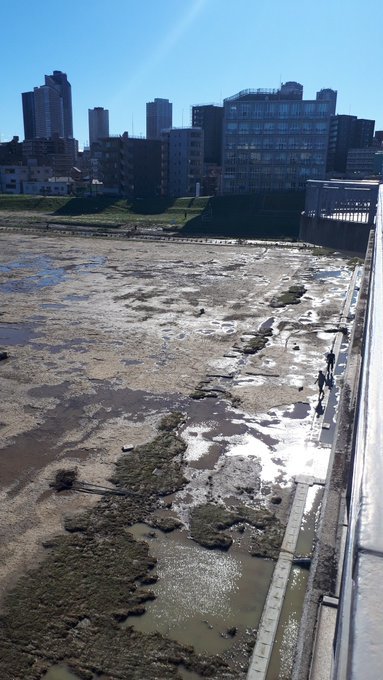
column 202, row 358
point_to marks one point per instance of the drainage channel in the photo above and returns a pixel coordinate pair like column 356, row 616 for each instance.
column 267, row 631
column 282, row 657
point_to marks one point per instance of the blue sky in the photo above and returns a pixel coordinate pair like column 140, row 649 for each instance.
column 119, row 54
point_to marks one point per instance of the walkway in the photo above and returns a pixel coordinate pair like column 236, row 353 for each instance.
column 323, row 433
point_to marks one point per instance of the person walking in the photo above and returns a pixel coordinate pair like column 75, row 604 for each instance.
column 330, row 361
column 321, row 379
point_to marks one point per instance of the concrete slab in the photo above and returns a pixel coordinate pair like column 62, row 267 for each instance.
column 322, row 658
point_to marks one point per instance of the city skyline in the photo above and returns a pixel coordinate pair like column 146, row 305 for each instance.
column 194, row 52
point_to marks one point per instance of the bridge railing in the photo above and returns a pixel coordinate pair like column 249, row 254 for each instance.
column 359, row 638
column 341, row 200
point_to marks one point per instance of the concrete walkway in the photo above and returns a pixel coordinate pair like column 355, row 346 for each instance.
column 323, row 432
column 271, row 612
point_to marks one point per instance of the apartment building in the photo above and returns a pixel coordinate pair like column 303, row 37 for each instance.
column 183, row 160
column 131, row 166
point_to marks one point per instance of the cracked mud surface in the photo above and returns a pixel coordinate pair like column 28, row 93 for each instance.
column 104, row 340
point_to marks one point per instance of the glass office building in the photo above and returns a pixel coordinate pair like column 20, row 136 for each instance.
column 274, row 140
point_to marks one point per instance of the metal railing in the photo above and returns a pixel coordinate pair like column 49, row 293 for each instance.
column 347, row 201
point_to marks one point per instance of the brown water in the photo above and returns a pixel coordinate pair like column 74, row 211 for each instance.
column 60, row 673
column 202, row 593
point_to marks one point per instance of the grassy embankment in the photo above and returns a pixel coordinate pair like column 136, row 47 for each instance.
column 274, row 215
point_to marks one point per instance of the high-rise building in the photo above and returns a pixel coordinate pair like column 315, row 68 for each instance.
column 59, row 81
column 209, row 117
column 98, row 124
column 275, row 140
column 47, row 111
column 49, row 119
column 159, row 116
column 28, row 99
column 347, row 132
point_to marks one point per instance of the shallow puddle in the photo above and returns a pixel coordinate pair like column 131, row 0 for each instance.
column 16, row 334
column 60, row 673
column 53, row 305
column 188, row 675
column 200, row 593
column 323, row 274
column 45, row 275
column 76, row 298
column 33, row 450
column 298, row 410
column 267, row 324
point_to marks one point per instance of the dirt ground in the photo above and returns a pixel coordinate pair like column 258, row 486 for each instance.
column 105, row 338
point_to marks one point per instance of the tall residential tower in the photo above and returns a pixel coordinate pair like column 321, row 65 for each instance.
column 98, row 124
column 48, row 125
column 159, row 116
column 47, row 110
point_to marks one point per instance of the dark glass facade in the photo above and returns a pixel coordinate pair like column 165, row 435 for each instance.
column 347, row 132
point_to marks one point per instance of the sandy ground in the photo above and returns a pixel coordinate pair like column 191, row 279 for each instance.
column 104, row 338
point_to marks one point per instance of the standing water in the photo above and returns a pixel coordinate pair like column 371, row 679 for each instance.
column 202, row 594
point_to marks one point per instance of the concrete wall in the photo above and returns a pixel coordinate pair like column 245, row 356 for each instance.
column 336, row 234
